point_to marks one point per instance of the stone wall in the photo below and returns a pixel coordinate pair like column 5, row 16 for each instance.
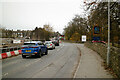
column 101, row 49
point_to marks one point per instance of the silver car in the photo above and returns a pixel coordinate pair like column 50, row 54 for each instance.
column 49, row 45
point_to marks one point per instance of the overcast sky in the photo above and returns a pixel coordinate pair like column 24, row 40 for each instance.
column 28, row 14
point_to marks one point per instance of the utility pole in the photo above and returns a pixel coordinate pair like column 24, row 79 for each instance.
column 119, row 24
column 108, row 48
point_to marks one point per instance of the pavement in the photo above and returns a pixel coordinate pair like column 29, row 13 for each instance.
column 68, row 60
column 91, row 65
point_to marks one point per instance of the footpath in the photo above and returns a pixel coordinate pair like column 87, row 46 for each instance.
column 91, row 64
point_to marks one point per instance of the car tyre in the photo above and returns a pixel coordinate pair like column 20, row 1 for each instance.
column 39, row 55
column 46, row 52
column 23, row 56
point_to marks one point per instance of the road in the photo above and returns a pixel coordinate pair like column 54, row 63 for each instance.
column 69, row 60
column 59, row 63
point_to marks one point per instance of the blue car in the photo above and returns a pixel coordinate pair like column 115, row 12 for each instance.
column 34, row 48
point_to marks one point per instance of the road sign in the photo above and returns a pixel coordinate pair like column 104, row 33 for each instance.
column 96, row 38
column 96, row 30
column 83, row 38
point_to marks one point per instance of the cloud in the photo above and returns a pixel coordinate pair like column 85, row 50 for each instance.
column 27, row 14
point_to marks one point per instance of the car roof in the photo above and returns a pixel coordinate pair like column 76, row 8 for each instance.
column 33, row 42
column 48, row 41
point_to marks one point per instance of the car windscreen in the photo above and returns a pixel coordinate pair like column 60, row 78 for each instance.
column 40, row 43
column 48, row 42
column 29, row 43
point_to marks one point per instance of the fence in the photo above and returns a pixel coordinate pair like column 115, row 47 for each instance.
column 8, row 49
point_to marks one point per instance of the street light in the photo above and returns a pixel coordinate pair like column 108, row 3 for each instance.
column 108, row 48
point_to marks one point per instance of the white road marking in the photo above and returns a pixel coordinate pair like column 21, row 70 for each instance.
column 76, row 70
column 62, row 47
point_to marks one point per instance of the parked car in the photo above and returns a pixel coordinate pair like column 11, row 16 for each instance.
column 34, row 48
column 56, row 42
column 49, row 45
column 3, row 45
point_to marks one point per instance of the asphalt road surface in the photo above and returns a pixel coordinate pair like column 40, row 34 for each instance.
column 61, row 62
column 69, row 60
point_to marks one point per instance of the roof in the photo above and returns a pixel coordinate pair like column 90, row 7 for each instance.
column 33, row 42
column 48, row 41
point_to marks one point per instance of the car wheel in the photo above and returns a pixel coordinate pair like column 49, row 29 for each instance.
column 39, row 54
column 46, row 52
column 23, row 56
column 52, row 47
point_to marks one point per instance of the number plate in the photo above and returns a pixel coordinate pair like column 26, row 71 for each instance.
column 28, row 50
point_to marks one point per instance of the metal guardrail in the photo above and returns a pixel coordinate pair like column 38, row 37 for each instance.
column 8, row 49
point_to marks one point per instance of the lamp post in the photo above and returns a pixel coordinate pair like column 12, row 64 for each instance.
column 119, row 24
column 108, row 48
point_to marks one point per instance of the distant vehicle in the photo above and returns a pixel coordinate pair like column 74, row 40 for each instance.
column 56, row 42
column 34, row 48
column 61, row 37
column 3, row 45
column 49, row 45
